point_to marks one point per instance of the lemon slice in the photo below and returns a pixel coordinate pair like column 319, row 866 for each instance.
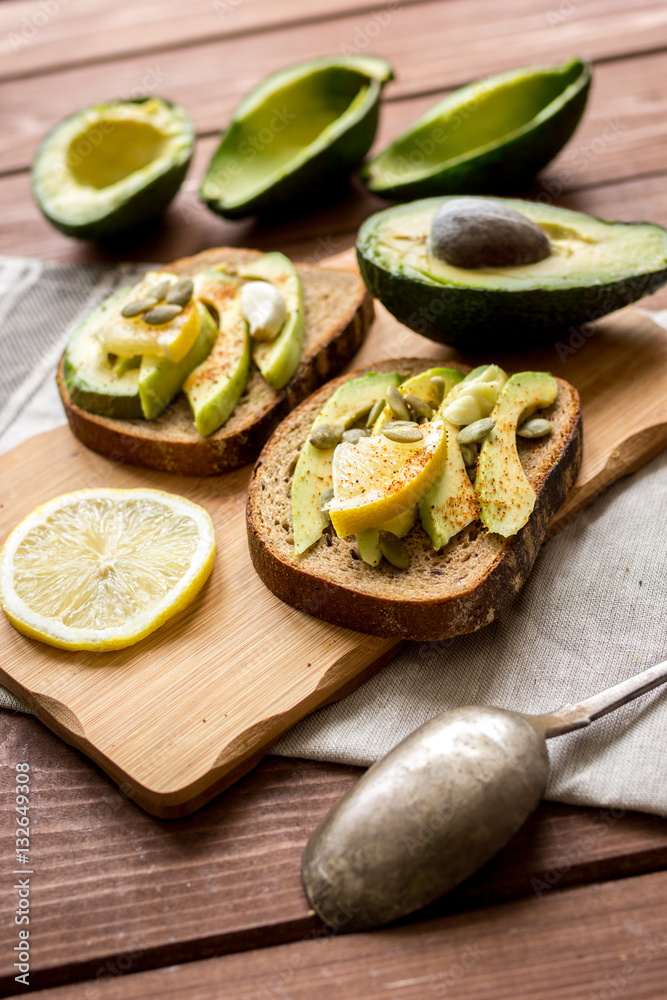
column 100, row 569
column 377, row 479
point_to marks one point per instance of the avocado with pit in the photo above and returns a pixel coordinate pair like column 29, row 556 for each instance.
column 312, row 475
column 111, row 168
column 593, row 268
column 279, row 359
column 489, row 137
column 297, row 136
column 506, row 498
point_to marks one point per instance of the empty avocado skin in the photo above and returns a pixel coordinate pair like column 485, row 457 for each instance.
column 595, row 268
column 99, row 208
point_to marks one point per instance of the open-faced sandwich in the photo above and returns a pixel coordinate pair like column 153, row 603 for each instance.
column 410, row 500
column 191, row 369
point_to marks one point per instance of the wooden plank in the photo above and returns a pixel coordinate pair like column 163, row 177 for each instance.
column 117, row 890
column 599, row 942
column 35, row 40
column 431, row 46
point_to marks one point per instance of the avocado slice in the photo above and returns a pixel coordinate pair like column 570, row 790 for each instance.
column 594, row 268
column 489, row 137
column 312, row 475
column 112, row 167
column 297, row 136
column 506, row 498
column 160, row 379
column 91, row 376
column 421, row 386
column 123, row 388
column 368, row 541
column 278, row 359
column 216, row 385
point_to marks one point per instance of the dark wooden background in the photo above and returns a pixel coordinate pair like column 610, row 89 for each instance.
column 124, row 905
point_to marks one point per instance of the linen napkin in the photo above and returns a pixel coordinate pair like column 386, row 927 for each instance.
column 592, row 613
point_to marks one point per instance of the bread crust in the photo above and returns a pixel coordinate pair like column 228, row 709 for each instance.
column 172, row 444
column 467, row 585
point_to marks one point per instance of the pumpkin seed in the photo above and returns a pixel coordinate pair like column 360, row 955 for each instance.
column 376, row 410
column 393, row 549
column 400, row 423
column 476, row 431
column 162, row 314
column 439, row 383
column 160, row 290
column 137, row 307
column 397, row 404
column 403, row 435
column 420, row 406
column 536, row 428
column 469, row 454
column 325, row 437
column 354, row 434
column 181, row 293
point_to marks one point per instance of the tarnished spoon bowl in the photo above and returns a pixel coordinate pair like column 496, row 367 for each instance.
column 439, row 806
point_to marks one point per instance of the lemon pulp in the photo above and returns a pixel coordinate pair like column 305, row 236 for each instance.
column 100, row 569
column 377, row 479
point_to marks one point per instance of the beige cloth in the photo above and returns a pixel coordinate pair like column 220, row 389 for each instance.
column 592, row 613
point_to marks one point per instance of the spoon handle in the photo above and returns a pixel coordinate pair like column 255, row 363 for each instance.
column 571, row 717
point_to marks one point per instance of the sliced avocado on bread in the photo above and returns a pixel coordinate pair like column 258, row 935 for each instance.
column 419, row 579
column 592, row 268
column 337, row 313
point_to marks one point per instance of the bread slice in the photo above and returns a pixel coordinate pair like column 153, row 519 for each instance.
column 459, row 589
column 338, row 314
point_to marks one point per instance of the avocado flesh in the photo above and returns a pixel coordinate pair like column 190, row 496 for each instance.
column 296, row 135
column 110, row 168
column 216, row 385
column 90, row 376
column 279, row 359
column 491, row 136
column 312, row 475
column 595, row 267
column 506, row 498
column 160, row 380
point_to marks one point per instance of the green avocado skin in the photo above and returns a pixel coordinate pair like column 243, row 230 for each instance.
column 318, row 181
column 507, row 168
column 128, row 213
column 475, row 319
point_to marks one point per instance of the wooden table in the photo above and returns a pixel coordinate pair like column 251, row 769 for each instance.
column 124, row 905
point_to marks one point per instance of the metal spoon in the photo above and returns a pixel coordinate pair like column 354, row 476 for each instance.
column 438, row 806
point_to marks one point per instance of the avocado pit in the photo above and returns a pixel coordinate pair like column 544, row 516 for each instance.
column 480, row 232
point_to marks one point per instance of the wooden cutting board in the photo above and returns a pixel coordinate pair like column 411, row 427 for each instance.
column 183, row 714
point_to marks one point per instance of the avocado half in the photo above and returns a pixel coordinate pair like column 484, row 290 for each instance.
column 111, row 167
column 489, row 137
column 296, row 136
column 594, row 268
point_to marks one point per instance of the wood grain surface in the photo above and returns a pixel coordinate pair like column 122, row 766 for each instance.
column 119, row 891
